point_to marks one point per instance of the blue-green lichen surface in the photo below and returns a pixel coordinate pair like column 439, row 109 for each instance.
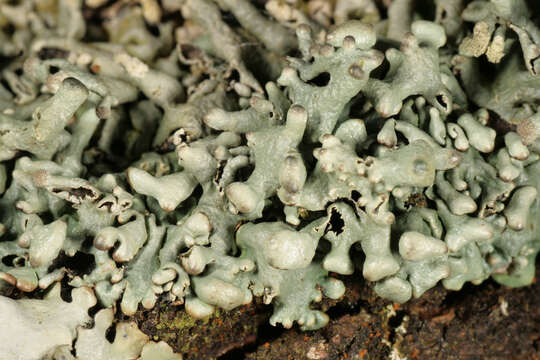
column 209, row 162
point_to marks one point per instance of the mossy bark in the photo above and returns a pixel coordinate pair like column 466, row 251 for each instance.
column 488, row 321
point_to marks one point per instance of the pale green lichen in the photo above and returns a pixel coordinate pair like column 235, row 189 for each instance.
column 220, row 160
column 491, row 20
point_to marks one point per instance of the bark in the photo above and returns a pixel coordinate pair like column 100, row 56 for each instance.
column 488, row 321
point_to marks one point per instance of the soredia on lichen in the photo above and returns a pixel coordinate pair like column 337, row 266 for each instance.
column 245, row 152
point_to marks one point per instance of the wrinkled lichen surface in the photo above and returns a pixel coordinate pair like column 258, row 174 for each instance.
column 206, row 152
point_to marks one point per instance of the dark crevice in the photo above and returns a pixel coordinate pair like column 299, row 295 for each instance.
column 65, row 290
column 244, row 173
column 336, row 223
column 8, row 260
column 229, row 19
column 47, row 217
column 234, row 76
column 5, row 85
column 93, row 311
column 46, row 53
column 345, row 308
column 271, row 212
column 110, row 334
column 78, row 265
column 443, row 14
column 347, row 201
column 379, row 73
column 394, row 322
column 500, row 125
column 152, row 29
column 426, row 10
column 234, row 354
column 418, row 200
column 440, row 100
column 197, row 192
column 320, row 80
column 79, row 192
column 219, row 171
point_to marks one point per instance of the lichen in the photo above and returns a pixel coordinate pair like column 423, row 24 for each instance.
column 242, row 153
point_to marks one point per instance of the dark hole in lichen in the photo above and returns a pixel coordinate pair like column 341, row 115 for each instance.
column 443, row 14
column 5, row 85
column 110, row 334
column 54, row 69
column 9, row 29
column 273, row 211
column 152, row 29
column 320, row 80
column 380, row 71
column 323, row 248
column 294, row 53
column 244, row 173
column 166, row 147
column 416, row 200
column 182, row 136
column 106, row 205
column 112, row 250
column 355, row 195
column 46, row 53
column 229, row 18
column 336, row 223
column 8, row 260
column 501, row 126
column 79, row 192
column 197, row 192
column 234, row 75
column 426, row 11
column 47, row 217
column 440, row 100
column 92, row 312
column 79, row 264
column 65, row 290
column 219, row 172
column 189, row 52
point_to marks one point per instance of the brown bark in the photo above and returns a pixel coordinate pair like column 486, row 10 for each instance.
column 488, row 321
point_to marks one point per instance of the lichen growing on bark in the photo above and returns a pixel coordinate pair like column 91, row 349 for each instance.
column 204, row 153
